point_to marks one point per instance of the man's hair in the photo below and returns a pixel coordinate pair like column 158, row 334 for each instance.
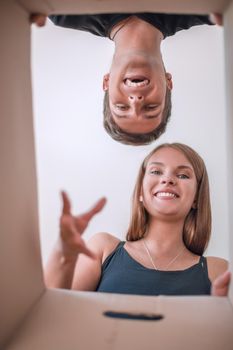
column 197, row 224
column 134, row 138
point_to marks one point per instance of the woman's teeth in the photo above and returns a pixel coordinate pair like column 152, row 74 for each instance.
column 165, row 194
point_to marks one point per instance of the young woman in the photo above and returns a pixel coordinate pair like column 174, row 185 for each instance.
column 168, row 233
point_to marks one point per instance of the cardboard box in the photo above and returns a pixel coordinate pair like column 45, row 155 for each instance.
column 32, row 317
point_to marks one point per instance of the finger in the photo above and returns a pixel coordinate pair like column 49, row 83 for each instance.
column 66, row 203
column 221, row 284
column 96, row 209
column 82, row 245
column 216, row 18
column 89, row 253
column 223, row 280
column 72, row 242
column 219, row 292
column 38, row 19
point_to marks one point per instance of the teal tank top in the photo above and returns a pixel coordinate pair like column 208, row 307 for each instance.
column 122, row 274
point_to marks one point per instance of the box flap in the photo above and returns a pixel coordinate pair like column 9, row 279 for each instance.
column 74, row 320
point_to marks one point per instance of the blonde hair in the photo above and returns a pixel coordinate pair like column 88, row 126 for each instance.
column 197, row 225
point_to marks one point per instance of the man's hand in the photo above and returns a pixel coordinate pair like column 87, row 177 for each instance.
column 72, row 227
column 216, row 18
column 38, row 19
column 221, row 285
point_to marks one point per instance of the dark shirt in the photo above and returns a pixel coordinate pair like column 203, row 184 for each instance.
column 122, row 274
column 102, row 24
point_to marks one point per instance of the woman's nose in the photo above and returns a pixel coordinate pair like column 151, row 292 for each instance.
column 168, row 179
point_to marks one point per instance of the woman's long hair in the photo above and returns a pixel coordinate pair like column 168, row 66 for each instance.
column 197, row 225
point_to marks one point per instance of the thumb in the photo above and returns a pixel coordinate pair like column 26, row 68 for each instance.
column 96, row 209
column 66, row 203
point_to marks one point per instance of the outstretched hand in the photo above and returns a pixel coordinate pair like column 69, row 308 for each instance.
column 221, row 285
column 72, row 227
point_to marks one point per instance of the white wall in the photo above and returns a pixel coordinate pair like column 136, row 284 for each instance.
column 75, row 153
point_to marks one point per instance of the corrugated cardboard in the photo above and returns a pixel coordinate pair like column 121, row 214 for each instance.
column 32, row 317
column 70, row 320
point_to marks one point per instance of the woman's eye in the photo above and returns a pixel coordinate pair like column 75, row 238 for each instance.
column 183, row 176
column 155, row 172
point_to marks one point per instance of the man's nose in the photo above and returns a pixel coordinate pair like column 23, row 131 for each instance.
column 136, row 97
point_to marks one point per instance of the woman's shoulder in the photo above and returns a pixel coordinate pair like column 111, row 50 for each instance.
column 216, row 266
column 102, row 244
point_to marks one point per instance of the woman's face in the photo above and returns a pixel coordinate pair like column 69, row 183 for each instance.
column 169, row 185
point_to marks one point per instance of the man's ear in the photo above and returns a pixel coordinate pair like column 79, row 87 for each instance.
column 106, row 82
column 169, row 80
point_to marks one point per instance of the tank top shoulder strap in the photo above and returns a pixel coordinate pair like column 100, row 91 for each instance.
column 109, row 257
column 203, row 263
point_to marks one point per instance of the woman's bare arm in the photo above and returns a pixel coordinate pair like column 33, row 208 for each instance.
column 88, row 271
column 70, row 245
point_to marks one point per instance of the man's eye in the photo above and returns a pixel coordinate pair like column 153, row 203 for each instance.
column 183, row 176
column 122, row 107
column 150, row 107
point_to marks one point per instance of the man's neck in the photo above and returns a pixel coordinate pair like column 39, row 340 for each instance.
column 136, row 35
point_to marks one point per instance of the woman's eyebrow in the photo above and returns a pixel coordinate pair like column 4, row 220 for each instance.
column 178, row 167
column 185, row 167
column 156, row 163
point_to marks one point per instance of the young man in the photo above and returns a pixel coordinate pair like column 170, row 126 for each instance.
column 137, row 102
